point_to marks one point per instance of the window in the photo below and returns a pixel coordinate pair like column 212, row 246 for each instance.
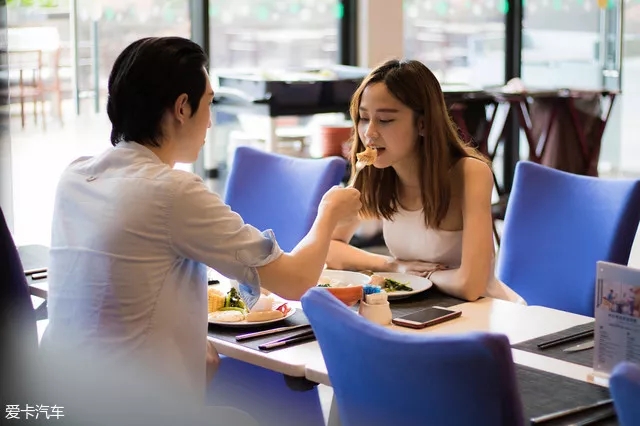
column 462, row 41
column 274, row 33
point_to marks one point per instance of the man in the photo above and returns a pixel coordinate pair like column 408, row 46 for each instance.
column 131, row 236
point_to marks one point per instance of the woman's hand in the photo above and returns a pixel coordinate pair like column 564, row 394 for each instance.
column 416, row 267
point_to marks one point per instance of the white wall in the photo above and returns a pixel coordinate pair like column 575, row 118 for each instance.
column 380, row 31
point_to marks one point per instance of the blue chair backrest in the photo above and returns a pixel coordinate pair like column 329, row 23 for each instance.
column 281, row 193
column 557, row 226
column 624, row 384
column 18, row 330
column 385, row 377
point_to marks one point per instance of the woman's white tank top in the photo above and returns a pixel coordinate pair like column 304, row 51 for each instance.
column 407, row 238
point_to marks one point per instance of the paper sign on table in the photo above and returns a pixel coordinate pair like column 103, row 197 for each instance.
column 617, row 326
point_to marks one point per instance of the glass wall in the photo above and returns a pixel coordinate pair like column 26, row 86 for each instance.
column 108, row 26
column 274, row 33
column 561, row 43
column 462, row 41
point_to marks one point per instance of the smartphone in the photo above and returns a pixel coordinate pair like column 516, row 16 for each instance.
column 426, row 317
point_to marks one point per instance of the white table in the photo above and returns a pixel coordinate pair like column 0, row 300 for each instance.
column 518, row 322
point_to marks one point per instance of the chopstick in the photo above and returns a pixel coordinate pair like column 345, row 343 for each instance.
column 564, row 413
column 32, row 271
column 296, row 338
column 247, row 336
column 597, row 418
column 39, row 276
column 561, row 340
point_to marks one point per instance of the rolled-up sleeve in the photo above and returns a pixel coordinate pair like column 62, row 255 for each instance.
column 205, row 229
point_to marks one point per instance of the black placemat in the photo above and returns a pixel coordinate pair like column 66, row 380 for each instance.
column 584, row 358
column 544, row 393
column 426, row 299
column 229, row 333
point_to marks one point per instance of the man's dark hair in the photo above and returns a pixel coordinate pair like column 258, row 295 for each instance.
column 145, row 81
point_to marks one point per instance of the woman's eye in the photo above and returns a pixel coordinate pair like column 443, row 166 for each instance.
column 364, row 119
column 385, row 121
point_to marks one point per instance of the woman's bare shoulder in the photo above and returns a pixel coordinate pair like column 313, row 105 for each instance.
column 472, row 169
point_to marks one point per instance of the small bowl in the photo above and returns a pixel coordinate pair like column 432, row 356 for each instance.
column 348, row 295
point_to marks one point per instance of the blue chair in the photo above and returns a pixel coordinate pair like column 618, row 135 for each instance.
column 557, row 226
column 384, row 377
column 281, row 193
column 624, row 384
column 18, row 330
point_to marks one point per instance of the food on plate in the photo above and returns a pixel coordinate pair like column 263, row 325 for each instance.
column 368, row 156
column 226, row 316
column 263, row 316
column 264, row 303
column 234, row 300
column 388, row 284
column 332, row 282
column 284, row 308
column 233, row 308
column 215, row 299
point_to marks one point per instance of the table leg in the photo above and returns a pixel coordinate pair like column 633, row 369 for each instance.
column 536, row 147
column 271, row 138
column 590, row 156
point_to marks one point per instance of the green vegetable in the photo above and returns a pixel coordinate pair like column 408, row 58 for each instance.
column 324, row 285
column 391, row 285
column 233, row 300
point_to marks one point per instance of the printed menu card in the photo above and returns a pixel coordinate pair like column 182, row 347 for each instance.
column 617, row 326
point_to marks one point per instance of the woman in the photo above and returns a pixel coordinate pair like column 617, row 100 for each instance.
column 432, row 192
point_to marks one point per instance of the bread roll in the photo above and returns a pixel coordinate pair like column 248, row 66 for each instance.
column 263, row 316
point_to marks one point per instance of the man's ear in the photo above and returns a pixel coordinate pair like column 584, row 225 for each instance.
column 181, row 108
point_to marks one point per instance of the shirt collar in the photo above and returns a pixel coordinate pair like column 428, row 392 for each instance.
column 141, row 149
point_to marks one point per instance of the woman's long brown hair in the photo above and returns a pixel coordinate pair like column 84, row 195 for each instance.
column 413, row 84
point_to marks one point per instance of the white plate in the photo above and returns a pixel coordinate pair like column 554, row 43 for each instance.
column 245, row 323
column 347, row 277
column 418, row 284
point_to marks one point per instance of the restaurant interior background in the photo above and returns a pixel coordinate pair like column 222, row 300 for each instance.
column 70, row 46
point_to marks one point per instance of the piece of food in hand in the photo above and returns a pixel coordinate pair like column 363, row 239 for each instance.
column 263, row 316
column 215, row 299
column 264, row 303
column 368, row 156
column 227, row 316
